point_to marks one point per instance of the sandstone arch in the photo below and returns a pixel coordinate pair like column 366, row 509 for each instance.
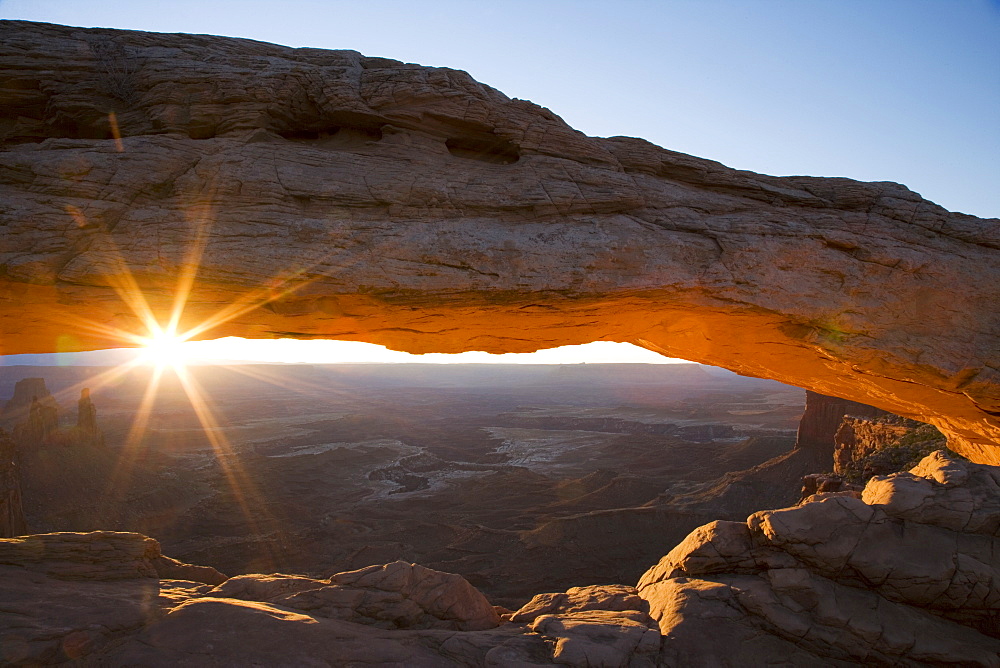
column 123, row 151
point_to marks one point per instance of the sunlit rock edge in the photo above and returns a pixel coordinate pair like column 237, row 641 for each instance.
column 324, row 194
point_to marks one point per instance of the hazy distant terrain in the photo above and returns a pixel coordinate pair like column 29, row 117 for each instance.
column 496, row 472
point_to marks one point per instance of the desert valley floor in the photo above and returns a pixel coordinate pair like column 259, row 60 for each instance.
column 499, row 473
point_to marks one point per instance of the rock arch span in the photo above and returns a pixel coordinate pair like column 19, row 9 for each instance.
column 324, row 194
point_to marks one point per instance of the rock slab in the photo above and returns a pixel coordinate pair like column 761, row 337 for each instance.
column 906, row 575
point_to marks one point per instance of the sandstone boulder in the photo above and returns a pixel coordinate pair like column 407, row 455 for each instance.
column 858, row 544
column 391, row 596
column 943, row 492
column 171, row 569
column 601, row 638
column 231, row 632
column 613, row 598
column 796, row 618
column 66, row 594
column 260, row 587
column 96, row 598
column 599, row 625
column 98, row 555
column 825, row 484
column 717, row 547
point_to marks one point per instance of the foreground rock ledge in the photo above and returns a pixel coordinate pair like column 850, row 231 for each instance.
column 324, row 194
column 907, row 575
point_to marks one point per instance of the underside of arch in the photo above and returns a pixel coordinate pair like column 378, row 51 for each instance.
column 322, row 194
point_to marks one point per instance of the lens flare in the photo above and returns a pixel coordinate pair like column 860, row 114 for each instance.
column 163, row 339
column 165, row 349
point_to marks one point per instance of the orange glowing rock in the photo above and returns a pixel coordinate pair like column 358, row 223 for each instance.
column 323, row 194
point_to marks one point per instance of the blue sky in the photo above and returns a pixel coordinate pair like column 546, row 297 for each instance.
column 897, row 90
column 876, row 90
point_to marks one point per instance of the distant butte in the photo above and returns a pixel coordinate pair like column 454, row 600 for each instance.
column 417, row 208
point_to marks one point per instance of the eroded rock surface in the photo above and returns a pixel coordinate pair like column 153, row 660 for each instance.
column 907, row 575
column 615, row 598
column 392, row 596
column 66, row 594
column 822, row 419
column 880, row 446
column 12, row 522
column 324, row 194
column 96, row 598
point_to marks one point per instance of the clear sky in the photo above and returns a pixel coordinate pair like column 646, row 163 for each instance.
column 877, row 90
column 896, row 90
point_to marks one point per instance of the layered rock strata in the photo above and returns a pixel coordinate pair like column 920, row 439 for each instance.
column 324, row 194
column 822, row 418
column 866, row 443
column 67, row 594
column 867, row 447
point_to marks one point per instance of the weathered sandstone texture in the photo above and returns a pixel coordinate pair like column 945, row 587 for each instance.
column 878, row 446
column 66, row 594
column 866, row 443
column 823, row 417
column 392, row 596
column 12, row 522
column 96, row 598
column 907, row 575
column 325, row 194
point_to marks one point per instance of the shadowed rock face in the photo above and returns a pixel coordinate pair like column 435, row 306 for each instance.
column 904, row 575
column 12, row 521
column 822, row 418
column 323, row 194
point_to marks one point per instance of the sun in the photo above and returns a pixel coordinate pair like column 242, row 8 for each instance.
column 165, row 349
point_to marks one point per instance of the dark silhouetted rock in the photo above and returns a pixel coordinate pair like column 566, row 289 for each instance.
column 86, row 416
column 12, row 521
column 35, row 412
column 825, row 483
column 27, row 391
